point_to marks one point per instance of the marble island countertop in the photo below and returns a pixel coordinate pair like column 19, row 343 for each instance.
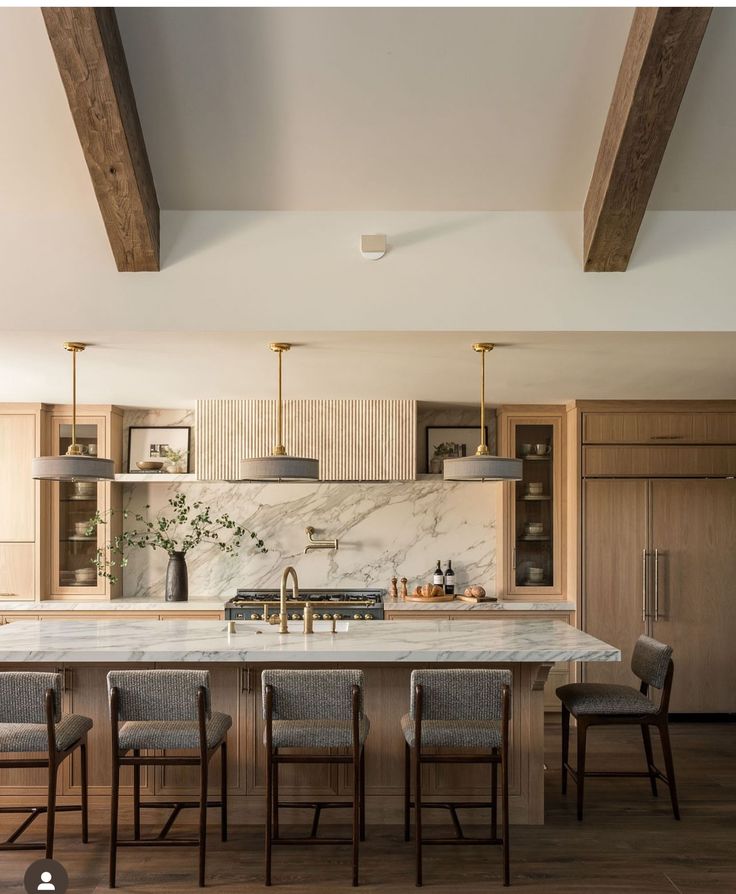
column 533, row 640
column 458, row 605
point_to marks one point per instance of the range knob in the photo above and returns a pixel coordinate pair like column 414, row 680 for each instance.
column 294, row 616
column 357, row 617
column 368, row 616
column 337, row 616
column 317, row 616
column 254, row 616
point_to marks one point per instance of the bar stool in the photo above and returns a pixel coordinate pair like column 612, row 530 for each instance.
column 458, row 710
column 599, row 704
column 320, row 711
column 31, row 721
column 162, row 710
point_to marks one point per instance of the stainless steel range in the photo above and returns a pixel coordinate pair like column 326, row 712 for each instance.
column 354, row 605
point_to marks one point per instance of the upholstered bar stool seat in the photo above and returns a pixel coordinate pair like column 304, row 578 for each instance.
column 35, row 736
column 166, row 734
column 316, row 733
column 164, row 711
column 320, row 713
column 597, row 704
column 453, row 733
column 31, row 722
column 604, row 698
column 466, row 714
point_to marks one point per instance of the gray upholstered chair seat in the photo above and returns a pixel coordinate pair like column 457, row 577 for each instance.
column 316, row 733
column 604, row 698
column 164, row 734
column 454, row 733
column 33, row 736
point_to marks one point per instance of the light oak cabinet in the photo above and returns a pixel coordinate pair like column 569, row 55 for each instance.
column 70, row 573
column 17, row 571
column 660, row 558
column 530, row 561
column 680, row 427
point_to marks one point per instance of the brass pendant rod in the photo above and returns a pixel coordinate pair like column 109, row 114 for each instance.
column 74, row 398
column 482, row 348
column 279, row 449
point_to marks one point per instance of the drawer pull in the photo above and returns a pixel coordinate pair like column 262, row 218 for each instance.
column 666, row 437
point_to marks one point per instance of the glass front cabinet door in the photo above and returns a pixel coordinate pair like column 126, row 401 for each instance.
column 532, row 517
column 72, row 572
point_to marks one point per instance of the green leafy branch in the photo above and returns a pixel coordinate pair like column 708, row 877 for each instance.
column 186, row 526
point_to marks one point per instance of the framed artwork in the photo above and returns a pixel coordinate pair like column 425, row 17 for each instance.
column 448, row 442
column 167, row 444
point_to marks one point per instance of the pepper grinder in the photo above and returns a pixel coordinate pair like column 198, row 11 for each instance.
column 393, row 592
column 403, row 592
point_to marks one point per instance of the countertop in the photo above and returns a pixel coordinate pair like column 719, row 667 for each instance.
column 533, row 640
column 457, row 605
column 195, row 604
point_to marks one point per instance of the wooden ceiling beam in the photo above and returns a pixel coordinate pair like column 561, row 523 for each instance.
column 89, row 52
column 660, row 52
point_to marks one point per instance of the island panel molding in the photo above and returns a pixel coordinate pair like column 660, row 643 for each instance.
column 354, row 440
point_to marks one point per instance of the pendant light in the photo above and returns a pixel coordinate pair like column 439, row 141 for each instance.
column 483, row 466
column 279, row 466
column 74, row 465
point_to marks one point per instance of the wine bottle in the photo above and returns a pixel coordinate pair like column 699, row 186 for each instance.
column 439, row 578
column 449, row 579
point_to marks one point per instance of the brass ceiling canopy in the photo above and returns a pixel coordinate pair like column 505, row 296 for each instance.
column 74, row 465
column 279, row 466
column 483, row 466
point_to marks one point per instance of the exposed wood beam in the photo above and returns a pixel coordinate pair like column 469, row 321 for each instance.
column 89, row 52
column 659, row 56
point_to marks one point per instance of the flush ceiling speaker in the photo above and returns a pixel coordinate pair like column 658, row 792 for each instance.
column 373, row 247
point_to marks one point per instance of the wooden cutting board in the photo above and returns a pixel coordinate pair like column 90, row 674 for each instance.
column 413, row 598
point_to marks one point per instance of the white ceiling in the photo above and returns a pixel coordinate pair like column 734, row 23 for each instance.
column 365, row 108
column 174, row 369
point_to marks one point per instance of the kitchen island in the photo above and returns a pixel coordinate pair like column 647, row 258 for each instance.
column 387, row 652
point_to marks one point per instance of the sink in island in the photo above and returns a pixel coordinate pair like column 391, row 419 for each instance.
column 386, row 651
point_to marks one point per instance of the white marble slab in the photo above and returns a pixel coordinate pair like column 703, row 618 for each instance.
column 457, row 605
column 539, row 640
column 195, row 604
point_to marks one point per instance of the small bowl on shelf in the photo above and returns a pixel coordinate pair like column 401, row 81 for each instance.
column 149, row 465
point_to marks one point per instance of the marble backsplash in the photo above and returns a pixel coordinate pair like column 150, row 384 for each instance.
column 383, row 529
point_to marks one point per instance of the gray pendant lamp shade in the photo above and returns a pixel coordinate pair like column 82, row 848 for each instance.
column 279, row 466
column 483, row 466
column 74, row 465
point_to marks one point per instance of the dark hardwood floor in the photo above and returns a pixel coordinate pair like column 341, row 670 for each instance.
column 628, row 841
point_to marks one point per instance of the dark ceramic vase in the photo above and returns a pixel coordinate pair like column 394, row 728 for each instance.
column 177, row 579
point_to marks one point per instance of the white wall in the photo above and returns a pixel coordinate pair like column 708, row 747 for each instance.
column 476, row 271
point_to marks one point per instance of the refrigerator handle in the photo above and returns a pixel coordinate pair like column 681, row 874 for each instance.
column 644, row 555
column 656, row 585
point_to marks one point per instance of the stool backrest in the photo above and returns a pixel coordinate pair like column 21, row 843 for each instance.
column 650, row 661
column 159, row 694
column 459, row 694
column 23, row 696
column 313, row 694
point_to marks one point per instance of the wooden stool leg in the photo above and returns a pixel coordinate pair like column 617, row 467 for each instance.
column 136, row 798
column 565, row 746
column 418, row 814
column 494, row 796
column 505, row 797
column 85, row 799
column 114, row 799
column 275, row 797
column 362, row 793
column 203, row 773
column 269, row 813
column 356, row 812
column 223, row 790
column 582, row 732
column 407, row 790
column 664, row 735
column 650, row 757
column 51, row 810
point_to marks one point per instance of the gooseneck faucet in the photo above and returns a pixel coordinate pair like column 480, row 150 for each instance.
column 283, row 617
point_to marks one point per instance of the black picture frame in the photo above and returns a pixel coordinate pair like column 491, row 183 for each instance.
column 474, row 441
column 158, row 428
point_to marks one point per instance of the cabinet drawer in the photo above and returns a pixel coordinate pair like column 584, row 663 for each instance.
column 661, row 428
column 659, row 462
column 17, row 577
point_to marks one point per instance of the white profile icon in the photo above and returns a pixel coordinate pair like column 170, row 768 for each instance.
column 46, row 883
